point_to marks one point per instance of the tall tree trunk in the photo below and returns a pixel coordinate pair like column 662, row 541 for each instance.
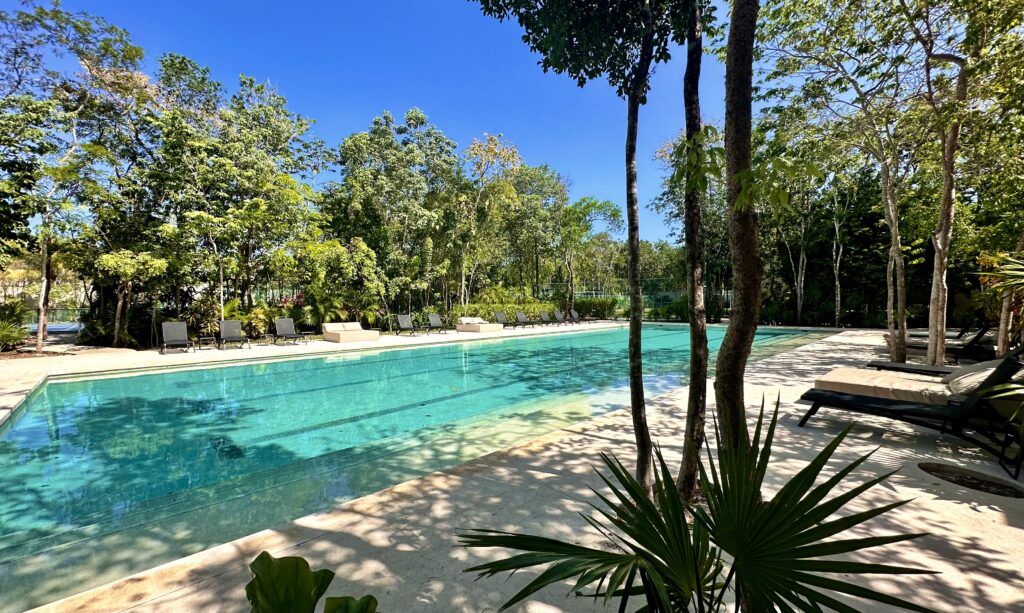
column 941, row 240
column 44, row 284
column 837, row 258
column 117, row 316
column 1005, row 314
column 638, row 406
column 896, row 280
column 743, row 234
column 686, row 483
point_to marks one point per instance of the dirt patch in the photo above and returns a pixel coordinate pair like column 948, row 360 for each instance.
column 972, row 480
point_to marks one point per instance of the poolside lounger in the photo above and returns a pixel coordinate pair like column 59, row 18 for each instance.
column 231, row 332
column 348, row 332
column 926, row 369
column 956, row 404
column 434, row 323
column 547, row 321
column 971, row 348
column 175, row 334
column 406, row 324
column 477, row 324
column 950, row 334
column 284, row 327
column 567, row 319
column 500, row 318
column 524, row 321
column 577, row 317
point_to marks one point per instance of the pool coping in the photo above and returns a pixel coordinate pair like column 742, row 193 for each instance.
column 11, row 401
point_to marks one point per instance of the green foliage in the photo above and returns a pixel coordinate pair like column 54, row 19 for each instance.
column 14, row 311
column 285, row 584
column 280, row 585
column 598, row 308
column 12, row 334
column 487, row 311
column 774, row 554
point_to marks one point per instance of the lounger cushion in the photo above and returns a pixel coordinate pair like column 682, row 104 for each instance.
column 968, row 379
column 884, row 384
column 472, row 320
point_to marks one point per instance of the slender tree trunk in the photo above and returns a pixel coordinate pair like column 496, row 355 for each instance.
column 837, row 258
column 638, row 406
column 117, row 317
column 743, row 232
column 44, row 285
column 896, row 299
column 686, row 483
column 941, row 240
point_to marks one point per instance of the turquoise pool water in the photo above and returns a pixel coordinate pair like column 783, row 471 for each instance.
column 180, row 461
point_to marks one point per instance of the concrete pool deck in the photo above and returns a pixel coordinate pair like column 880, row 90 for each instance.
column 400, row 545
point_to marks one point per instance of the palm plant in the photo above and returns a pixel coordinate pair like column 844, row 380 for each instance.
column 767, row 553
column 1009, row 272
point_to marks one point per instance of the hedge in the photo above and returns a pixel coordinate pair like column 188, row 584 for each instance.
column 599, row 308
column 487, row 311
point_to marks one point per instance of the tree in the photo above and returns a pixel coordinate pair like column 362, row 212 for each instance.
column 743, row 231
column 126, row 270
column 575, row 223
column 643, row 32
column 957, row 40
column 693, row 160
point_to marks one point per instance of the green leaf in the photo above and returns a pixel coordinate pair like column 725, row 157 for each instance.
column 281, row 585
column 348, row 604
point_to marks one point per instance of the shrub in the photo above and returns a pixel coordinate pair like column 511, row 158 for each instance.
column 11, row 335
column 599, row 308
column 487, row 311
column 14, row 311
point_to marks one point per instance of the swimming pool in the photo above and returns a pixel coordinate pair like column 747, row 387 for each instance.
column 104, row 477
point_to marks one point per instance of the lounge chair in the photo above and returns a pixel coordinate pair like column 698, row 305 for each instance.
column 434, row 323
column 950, row 334
column 406, row 324
column 175, row 334
column 927, row 369
column 545, row 320
column 956, row 404
column 559, row 316
column 971, row 348
column 500, row 318
column 524, row 321
column 284, row 327
column 348, row 332
column 477, row 324
column 577, row 317
column 231, row 332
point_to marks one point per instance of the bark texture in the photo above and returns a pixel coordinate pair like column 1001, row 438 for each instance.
column 696, row 401
column 638, row 407
column 743, row 231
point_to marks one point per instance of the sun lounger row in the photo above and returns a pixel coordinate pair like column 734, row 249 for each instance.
column 976, row 403
column 175, row 334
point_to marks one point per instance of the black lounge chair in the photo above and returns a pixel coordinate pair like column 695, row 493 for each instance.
column 434, row 323
column 545, row 320
column 926, row 369
column 284, row 327
column 950, row 335
column 577, row 317
column 175, row 334
column 406, row 324
column 559, row 316
column 971, row 418
column 499, row 317
column 971, row 348
column 524, row 321
column 231, row 332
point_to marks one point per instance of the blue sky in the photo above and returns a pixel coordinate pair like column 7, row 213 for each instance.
column 343, row 62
